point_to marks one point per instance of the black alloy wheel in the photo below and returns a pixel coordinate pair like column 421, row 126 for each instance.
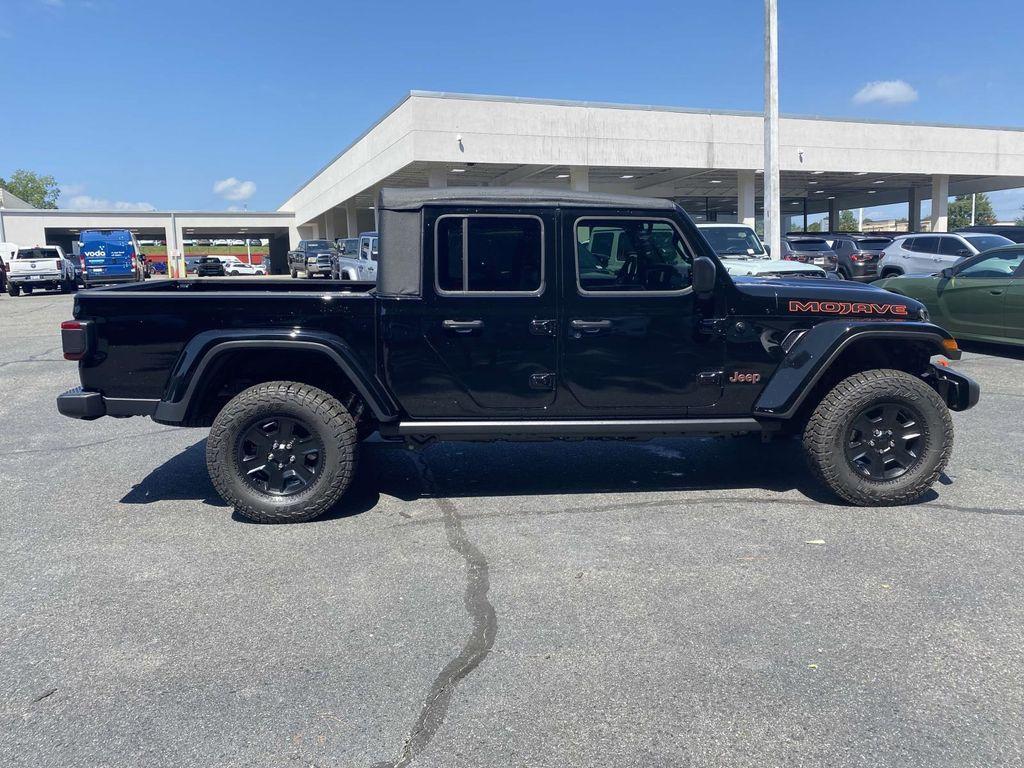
column 279, row 455
column 884, row 440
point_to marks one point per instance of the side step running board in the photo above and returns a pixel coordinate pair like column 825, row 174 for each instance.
column 556, row 428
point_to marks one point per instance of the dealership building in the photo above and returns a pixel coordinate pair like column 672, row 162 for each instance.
column 710, row 162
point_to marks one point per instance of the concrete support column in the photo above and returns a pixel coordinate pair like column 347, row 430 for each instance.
column 438, row 178
column 940, row 203
column 745, row 198
column 914, row 209
column 833, row 215
column 351, row 219
column 579, row 178
column 329, row 228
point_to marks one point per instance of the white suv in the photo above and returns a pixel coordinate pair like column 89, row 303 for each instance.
column 235, row 266
column 924, row 254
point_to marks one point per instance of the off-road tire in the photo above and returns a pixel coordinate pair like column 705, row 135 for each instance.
column 318, row 411
column 830, row 423
column 12, row 289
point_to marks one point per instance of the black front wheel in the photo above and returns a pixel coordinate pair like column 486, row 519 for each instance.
column 879, row 437
column 282, row 452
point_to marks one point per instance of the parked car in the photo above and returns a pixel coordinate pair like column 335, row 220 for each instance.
column 158, row 267
column 110, row 256
column 481, row 328
column 210, row 266
column 191, row 262
column 857, row 254
column 356, row 258
column 76, row 266
column 980, row 298
column 926, row 254
column 810, row 250
column 235, row 266
column 7, row 254
column 41, row 267
column 312, row 258
column 742, row 253
column 1013, row 232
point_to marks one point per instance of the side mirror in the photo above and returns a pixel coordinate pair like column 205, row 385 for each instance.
column 947, row 273
column 703, row 275
column 768, row 250
column 963, row 252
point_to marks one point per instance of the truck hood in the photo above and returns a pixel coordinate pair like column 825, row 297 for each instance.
column 828, row 298
column 768, row 267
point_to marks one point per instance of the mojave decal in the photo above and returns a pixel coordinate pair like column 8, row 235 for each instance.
column 847, row 308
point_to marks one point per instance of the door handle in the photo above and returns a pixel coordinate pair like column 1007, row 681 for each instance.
column 591, row 326
column 462, row 326
column 997, row 291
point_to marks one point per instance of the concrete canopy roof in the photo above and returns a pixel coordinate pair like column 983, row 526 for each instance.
column 652, row 151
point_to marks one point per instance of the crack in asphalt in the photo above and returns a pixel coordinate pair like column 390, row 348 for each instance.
column 656, row 503
column 36, row 358
column 478, row 645
column 63, row 448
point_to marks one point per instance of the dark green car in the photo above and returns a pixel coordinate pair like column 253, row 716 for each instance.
column 980, row 298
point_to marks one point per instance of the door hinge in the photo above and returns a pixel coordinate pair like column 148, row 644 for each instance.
column 714, row 325
column 544, row 381
column 543, row 327
column 710, row 378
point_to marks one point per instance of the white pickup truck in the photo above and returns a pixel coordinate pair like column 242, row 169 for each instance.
column 742, row 253
column 42, row 266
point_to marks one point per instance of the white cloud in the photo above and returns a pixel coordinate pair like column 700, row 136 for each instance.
column 233, row 189
column 886, row 92
column 89, row 203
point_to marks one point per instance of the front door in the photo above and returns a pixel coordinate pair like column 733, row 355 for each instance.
column 491, row 322
column 974, row 300
column 631, row 338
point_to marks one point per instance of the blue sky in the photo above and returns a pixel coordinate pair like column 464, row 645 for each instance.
column 130, row 102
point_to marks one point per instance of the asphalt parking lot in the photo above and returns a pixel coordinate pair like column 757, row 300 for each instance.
column 563, row 604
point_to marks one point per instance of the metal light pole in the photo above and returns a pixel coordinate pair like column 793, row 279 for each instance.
column 973, row 205
column 772, row 205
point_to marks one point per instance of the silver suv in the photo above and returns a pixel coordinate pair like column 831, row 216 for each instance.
column 926, row 254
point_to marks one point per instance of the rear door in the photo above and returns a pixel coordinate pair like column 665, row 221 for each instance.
column 107, row 255
column 490, row 322
column 921, row 258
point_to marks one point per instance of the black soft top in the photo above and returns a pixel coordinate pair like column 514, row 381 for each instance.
column 414, row 199
column 400, row 266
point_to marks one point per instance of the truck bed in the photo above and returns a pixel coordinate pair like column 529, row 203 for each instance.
column 144, row 332
column 234, row 285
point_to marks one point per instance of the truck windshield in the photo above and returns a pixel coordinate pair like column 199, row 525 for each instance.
column 733, row 241
column 319, row 245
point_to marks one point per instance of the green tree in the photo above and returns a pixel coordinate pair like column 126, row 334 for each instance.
column 960, row 211
column 1019, row 221
column 847, row 222
column 814, row 227
column 40, row 191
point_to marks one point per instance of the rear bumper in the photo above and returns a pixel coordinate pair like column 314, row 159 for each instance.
column 959, row 391
column 104, row 280
column 32, row 279
column 79, row 403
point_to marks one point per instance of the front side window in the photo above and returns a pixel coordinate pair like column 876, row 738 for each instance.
column 926, row 245
column 645, row 255
column 491, row 254
column 999, row 265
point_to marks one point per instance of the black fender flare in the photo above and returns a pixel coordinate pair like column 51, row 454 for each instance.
column 204, row 348
column 820, row 346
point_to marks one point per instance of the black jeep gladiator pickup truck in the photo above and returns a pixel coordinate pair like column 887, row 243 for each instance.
column 492, row 319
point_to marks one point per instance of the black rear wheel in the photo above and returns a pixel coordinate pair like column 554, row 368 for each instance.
column 282, row 452
column 12, row 289
column 879, row 437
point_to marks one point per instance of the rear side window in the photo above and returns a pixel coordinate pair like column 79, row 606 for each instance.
column 489, row 254
column 951, row 246
column 647, row 255
column 926, row 245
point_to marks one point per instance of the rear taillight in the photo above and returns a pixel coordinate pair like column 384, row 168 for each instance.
column 74, row 338
column 81, row 260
